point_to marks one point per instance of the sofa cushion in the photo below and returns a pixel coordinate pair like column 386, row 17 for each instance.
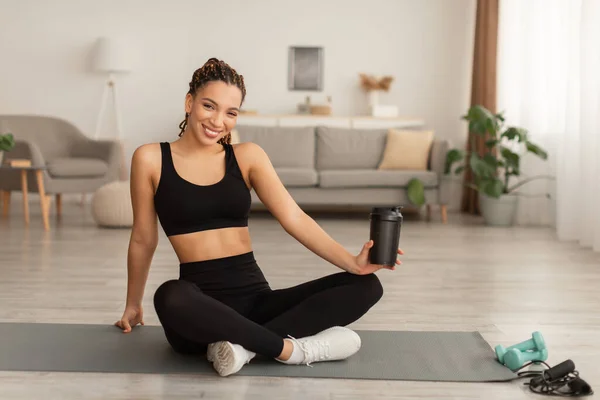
column 374, row 178
column 297, row 177
column 285, row 146
column 349, row 148
column 407, row 149
column 76, row 167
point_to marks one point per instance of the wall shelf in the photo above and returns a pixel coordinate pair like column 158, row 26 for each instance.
column 361, row 122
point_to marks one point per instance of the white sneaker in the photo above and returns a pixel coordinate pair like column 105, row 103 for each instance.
column 337, row 343
column 228, row 358
column 210, row 351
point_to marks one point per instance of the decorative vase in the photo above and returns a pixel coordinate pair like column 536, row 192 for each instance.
column 373, row 98
column 498, row 212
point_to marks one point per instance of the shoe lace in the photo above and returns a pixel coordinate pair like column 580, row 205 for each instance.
column 314, row 350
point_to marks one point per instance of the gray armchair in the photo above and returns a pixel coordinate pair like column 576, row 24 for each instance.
column 74, row 162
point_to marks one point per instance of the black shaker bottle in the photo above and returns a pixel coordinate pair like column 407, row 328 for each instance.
column 385, row 233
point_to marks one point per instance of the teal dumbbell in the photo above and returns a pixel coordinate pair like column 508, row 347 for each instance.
column 515, row 359
column 536, row 343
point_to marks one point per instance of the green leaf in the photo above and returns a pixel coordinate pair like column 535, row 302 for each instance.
column 481, row 120
column 479, row 127
column 480, row 167
column 535, row 149
column 491, row 143
column 7, row 142
column 416, row 192
column 513, row 133
column 480, row 112
column 453, row 156
column 491, row 126
column 459, row 170
column 492, row 161
column 492, row 187
column 513, row 161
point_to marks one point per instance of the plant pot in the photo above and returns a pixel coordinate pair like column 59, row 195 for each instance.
column 498, row 212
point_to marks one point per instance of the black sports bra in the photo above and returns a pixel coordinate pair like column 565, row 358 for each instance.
column 184, row 207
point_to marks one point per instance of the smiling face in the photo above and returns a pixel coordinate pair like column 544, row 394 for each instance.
column 213, row 111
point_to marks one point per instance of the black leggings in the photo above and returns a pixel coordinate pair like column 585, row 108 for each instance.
column 229, row 299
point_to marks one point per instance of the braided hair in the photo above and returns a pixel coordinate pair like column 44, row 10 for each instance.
column 214, row 70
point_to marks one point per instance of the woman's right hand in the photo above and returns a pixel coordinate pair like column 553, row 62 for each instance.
column 131, row 317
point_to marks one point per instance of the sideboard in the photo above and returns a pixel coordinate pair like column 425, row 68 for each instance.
column 361, row 122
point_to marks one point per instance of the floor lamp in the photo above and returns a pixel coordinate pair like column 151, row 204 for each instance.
column 111, row 59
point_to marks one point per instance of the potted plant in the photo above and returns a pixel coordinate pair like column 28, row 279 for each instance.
column 373, row 86
column 7, row 143
column 495, row 171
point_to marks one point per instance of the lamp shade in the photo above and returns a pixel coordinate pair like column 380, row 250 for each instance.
column 110, row 56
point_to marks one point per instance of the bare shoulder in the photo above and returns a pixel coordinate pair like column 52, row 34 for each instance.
column 249, row 155
column 147, row 156
column 146, row 164
column 251, row 158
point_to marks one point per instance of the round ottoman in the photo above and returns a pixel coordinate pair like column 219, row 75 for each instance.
column 111, row 205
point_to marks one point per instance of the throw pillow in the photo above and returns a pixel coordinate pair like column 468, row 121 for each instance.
column 406, row 149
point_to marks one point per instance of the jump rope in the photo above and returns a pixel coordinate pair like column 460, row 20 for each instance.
column 562, row 380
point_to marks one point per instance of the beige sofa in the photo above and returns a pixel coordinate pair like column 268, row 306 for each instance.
column 74, row 163
column 327, row 166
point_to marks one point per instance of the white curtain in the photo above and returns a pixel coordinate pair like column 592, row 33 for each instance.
column 549, row 83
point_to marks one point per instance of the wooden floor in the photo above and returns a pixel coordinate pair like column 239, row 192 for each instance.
column 505, row 283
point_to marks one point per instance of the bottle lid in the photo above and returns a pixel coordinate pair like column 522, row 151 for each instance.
column 387, row 212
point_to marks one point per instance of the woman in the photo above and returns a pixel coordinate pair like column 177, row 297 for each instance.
column 199, row 188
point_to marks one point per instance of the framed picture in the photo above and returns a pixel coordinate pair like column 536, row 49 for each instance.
column 305, row 68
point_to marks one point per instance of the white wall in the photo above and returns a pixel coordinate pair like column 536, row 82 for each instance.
column 45, row 49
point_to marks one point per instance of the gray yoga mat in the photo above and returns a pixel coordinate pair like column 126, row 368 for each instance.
column 421, row 356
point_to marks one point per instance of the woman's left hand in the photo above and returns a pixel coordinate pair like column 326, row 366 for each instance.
column 363, row 267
